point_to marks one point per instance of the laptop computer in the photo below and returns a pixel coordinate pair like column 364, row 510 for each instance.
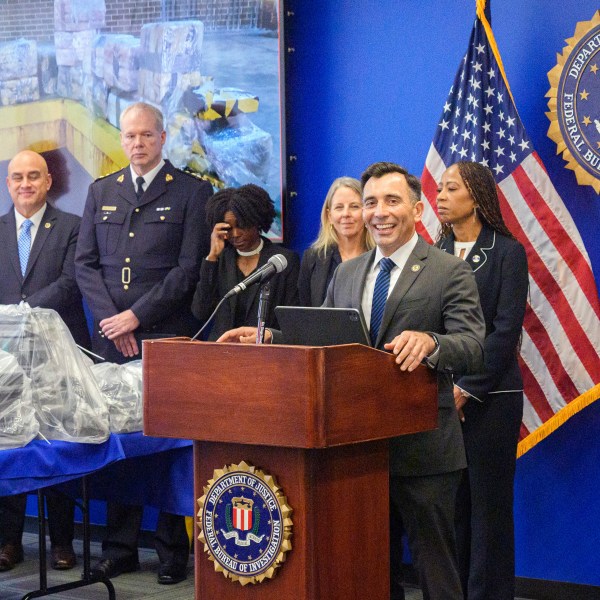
column 318, row 326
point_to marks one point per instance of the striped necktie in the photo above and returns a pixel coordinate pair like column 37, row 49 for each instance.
column 380, row 293
column 24, row 244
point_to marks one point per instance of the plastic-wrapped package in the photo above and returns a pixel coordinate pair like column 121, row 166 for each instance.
column 116, row 103
column 18, row 58
column 68, row 403
column 122, row 389
column 210, row 105
column 121, row 62
column 239, row 151
column 18, row 425
column 18, row 91
column 70, row 82
column 170, row 58
column 77, row 15
column 183, row 146
column 172, row 46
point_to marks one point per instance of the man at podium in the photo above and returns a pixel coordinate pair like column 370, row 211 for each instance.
column 422, row 305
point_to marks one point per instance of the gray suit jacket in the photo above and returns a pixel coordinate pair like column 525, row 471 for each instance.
column 436, row 293
column 49, row 281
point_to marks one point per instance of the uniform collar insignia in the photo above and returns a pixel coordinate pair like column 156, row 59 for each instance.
column 121, row 178
column 168, row 177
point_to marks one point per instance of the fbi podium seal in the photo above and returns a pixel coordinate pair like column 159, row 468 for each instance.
column 575, row 103
column 245, row 523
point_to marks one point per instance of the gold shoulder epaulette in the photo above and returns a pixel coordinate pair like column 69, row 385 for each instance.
column 106, row 175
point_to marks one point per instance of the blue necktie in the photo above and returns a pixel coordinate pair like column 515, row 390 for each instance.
column 380, row 293
column 24, row 244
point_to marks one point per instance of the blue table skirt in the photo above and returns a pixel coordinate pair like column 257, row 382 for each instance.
column 155, row 472
column 130, row 468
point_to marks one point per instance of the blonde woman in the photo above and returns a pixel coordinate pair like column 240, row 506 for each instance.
column 342, row 236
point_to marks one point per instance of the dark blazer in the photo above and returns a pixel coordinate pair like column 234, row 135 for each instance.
column 49, row 281
column 500, row 267
column 436, row 293
column 315, row 270
column 218, row 277
column 143, row 255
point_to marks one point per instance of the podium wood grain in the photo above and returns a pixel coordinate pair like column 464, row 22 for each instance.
column 318, row 420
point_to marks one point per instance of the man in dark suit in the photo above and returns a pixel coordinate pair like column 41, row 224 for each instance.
column 431, row 315
column 427, row 312
column 37, row 267
column 137, row 262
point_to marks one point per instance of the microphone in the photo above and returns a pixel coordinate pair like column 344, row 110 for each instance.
column 275, row 264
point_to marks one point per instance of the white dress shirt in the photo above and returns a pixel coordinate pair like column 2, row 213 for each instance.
column 148, row 177
column 399, row 257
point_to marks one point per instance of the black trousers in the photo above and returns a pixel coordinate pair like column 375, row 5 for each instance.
column 425, row 507
column 123, row 529
column 484, row 509
column 60, row 518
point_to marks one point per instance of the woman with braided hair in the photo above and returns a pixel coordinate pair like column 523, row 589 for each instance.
column 491, row 403
column 237, row 216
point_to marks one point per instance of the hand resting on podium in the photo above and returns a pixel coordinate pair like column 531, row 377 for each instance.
column 244, row 335
column 412, row 348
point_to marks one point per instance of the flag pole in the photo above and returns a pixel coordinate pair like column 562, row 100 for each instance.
column 484, row 15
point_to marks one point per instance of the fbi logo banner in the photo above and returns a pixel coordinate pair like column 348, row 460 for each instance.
column 575, row 103
column 245, row 523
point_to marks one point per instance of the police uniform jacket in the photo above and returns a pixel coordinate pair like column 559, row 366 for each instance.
column 143, row 254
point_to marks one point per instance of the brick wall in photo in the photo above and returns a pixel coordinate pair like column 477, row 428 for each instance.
column 34, row 19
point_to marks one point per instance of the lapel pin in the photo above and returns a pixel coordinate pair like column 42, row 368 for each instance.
column 415, row 268
column 476, row 258
column 121, row 178
column 47, row 225
column 169, row 177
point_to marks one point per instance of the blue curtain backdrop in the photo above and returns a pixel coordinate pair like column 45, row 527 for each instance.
column 366, row 81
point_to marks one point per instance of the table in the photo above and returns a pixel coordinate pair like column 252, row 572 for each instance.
column 131, row 467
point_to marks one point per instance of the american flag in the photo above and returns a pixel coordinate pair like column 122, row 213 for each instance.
column 561, row 334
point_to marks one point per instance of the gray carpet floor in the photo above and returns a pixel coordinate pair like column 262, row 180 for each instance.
column 141, row 585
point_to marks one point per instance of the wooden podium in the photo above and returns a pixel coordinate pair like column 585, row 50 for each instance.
column 315, row 418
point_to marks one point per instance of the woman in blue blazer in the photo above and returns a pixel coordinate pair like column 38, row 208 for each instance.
column 490, row 403
column 342, row 235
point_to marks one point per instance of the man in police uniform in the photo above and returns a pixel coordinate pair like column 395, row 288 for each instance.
column 142, row 235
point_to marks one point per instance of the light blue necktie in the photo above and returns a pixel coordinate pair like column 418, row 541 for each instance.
column 24, row 244
column 382, row 285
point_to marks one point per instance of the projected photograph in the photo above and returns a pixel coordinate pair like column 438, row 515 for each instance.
column 211, row 66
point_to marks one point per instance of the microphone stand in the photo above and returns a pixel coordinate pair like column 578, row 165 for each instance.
column 263, row 309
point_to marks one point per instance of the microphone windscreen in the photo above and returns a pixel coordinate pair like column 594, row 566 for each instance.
column 279, row 262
